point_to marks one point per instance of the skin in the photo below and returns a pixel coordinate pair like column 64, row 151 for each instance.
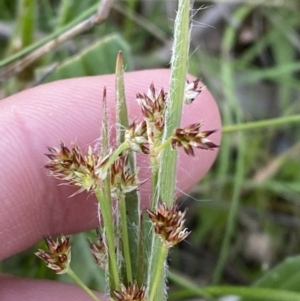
column 32, row 204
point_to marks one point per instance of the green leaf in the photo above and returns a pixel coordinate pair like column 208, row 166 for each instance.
column 283, row 276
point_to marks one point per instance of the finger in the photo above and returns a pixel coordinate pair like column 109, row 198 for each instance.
column 15, row 288
column 32, row 204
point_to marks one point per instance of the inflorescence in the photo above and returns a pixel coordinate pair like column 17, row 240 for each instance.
column 88, row 173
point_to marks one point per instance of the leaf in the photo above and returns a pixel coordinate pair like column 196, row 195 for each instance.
column 285, row 276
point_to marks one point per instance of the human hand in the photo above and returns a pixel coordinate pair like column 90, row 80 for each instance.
column 32, row 205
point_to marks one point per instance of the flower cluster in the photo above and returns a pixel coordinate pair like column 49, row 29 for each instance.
column 153, row 106
column 192, row 136
column 192, row 90
column 75, row 168
column 130, row 292
column 136, row 137
column 122, row 180
column 169, row 224
column 99, row 251
column 59, row 256
column 89, row 172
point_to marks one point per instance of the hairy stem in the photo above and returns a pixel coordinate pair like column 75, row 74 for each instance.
column 159, row 269
column 125, row 240
column 106, row 211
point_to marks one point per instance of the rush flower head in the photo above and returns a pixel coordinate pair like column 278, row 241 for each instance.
column 192, row 90
column 99, row 251
column 122, row 179
column 192, row 136
column 59, row 256
column 136, row 137
column 75, row 168
column 169, row 224
column 130, row 292
column 153, row 105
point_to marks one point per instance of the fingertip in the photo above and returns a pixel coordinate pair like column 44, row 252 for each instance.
column 16, row 288
column 33, row 205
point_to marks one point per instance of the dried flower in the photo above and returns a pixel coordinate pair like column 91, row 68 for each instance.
column 192, row 90
column 122, row 180
column 153, row 105
column 169, row 224
column 130, row 292
column 136, row 136
column 79, row 170
column 99, row 251
column 59, row 256
column 191, row 136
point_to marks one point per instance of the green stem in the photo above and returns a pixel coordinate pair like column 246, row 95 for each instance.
column 162, row 146
column 128, row 22
column 121, row 148
column 274, row 122
column 82, row 285
column 131, row 199
column 179, row 63
column 125, row 239
column 141, row 254
column 188, row 285
column 160, row 265
column 253, row 293
column 154, row 183
column 168, row 160
column 27, row 16
column 65, row 7
column 106, row 211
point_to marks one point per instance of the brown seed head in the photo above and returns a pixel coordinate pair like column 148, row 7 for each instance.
column 99, row 251
column 59, row 256
column 136, row 136
column 122, row 180
column 130, row 292
column 192, row 90
column 169, row 224
column 75, row 168
column 153, row 104
column 192, row 136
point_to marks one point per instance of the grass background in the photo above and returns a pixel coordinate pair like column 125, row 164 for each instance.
column 244, row 215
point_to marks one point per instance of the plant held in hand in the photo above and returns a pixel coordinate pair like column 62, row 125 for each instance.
column 111, row 174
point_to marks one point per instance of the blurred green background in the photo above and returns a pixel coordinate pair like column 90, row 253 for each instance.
column 245, row 215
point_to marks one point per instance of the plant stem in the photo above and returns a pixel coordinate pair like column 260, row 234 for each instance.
column 160, row 265
column 27, row 18
column 273, row 122
column 131, row 199
column 106, row 211
column 188, row 285
column 140, row 254
column 162, row 146
column 125, row 240
column 253, row 293
column 121, row 148
column 121, row 107
column 179, row 63
column 82, row 285
column 168, row 160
